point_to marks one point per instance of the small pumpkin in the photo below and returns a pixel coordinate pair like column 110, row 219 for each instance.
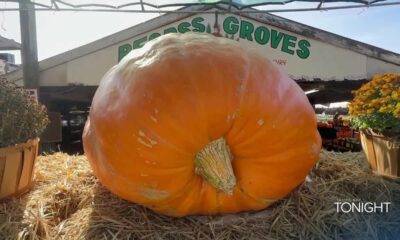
column 195, row 124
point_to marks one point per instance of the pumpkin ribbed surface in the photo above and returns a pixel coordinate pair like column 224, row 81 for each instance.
column 195, row 124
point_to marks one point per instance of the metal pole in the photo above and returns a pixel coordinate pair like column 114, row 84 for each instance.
column 29, row 55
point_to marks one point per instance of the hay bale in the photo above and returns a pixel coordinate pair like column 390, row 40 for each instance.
column 68, row 202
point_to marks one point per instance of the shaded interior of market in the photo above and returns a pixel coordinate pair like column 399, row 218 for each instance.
column 74, row 103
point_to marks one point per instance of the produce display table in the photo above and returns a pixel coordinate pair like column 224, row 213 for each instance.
column 344, row 145
column 338, row 137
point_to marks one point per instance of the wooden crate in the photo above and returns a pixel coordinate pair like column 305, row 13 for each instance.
column 383, row 153
column 16, row 168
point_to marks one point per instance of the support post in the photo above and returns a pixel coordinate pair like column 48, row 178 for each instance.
column 29, row 54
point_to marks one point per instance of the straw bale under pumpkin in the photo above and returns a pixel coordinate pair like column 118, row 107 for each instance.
column 67, row 202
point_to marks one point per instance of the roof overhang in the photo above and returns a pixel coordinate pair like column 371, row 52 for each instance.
column 8, row 44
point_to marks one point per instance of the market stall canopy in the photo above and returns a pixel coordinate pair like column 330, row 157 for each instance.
column 8, row 44
column 240, row 4
column 161, row 5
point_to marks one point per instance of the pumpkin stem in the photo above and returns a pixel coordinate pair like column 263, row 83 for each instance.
column 213, row 163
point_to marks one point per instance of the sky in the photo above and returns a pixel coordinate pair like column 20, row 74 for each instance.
column 58, row 32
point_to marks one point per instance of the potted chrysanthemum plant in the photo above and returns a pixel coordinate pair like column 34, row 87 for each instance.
column 22, row 120
column 375, row 110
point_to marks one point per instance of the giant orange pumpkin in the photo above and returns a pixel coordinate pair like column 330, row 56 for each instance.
column 195, row 124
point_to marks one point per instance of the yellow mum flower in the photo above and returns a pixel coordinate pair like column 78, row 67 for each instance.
column 398, row 106
column 385, row 91
column 381, row 94
column 384, row 100
column 387, row 109
column 396, row 113
column 374, row 103
column 396, row 95
column 369, row 92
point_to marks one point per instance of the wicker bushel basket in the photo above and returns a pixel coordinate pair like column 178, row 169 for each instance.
column 16, row 168
column 383, row 153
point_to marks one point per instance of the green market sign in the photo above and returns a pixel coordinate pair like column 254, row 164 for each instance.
column 232, row 26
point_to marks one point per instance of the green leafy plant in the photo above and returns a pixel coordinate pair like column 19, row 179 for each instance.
column 21, row 118
column 376, row 105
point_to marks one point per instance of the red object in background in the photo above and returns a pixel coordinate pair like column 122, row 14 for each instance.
column 344, row 132
column 357, row 135
column 325, row 124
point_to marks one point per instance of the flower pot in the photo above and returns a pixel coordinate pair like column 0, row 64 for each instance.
column 16, row 168
column 383, row 153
